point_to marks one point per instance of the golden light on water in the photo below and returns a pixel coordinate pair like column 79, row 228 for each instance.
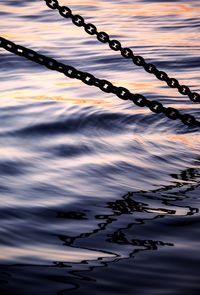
column 43, row 253
column 68, row 149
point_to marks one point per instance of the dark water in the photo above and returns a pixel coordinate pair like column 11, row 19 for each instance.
column 99, row 196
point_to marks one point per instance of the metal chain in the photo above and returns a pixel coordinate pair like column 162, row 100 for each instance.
column 125, row 52
column 104, row 85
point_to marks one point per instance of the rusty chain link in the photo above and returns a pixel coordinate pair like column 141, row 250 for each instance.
column 125, row 52
column 104, row 85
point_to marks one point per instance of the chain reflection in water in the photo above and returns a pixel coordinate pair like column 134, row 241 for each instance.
column 122, row 226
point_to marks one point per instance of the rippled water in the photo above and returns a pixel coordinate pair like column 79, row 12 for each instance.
column 90, row 185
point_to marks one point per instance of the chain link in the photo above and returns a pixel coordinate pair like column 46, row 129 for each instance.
column 104, row 85
column 125, row 52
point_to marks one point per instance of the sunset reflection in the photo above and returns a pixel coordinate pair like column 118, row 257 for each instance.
column 97, row 194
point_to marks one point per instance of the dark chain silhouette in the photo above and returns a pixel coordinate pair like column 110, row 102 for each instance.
column 125, row 52
column 104, row 85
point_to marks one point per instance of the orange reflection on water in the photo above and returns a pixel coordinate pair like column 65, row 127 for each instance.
column 122, row 19
column 48, row 253
column 190, row 140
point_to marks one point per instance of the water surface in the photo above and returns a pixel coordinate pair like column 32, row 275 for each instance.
column 90, row 185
